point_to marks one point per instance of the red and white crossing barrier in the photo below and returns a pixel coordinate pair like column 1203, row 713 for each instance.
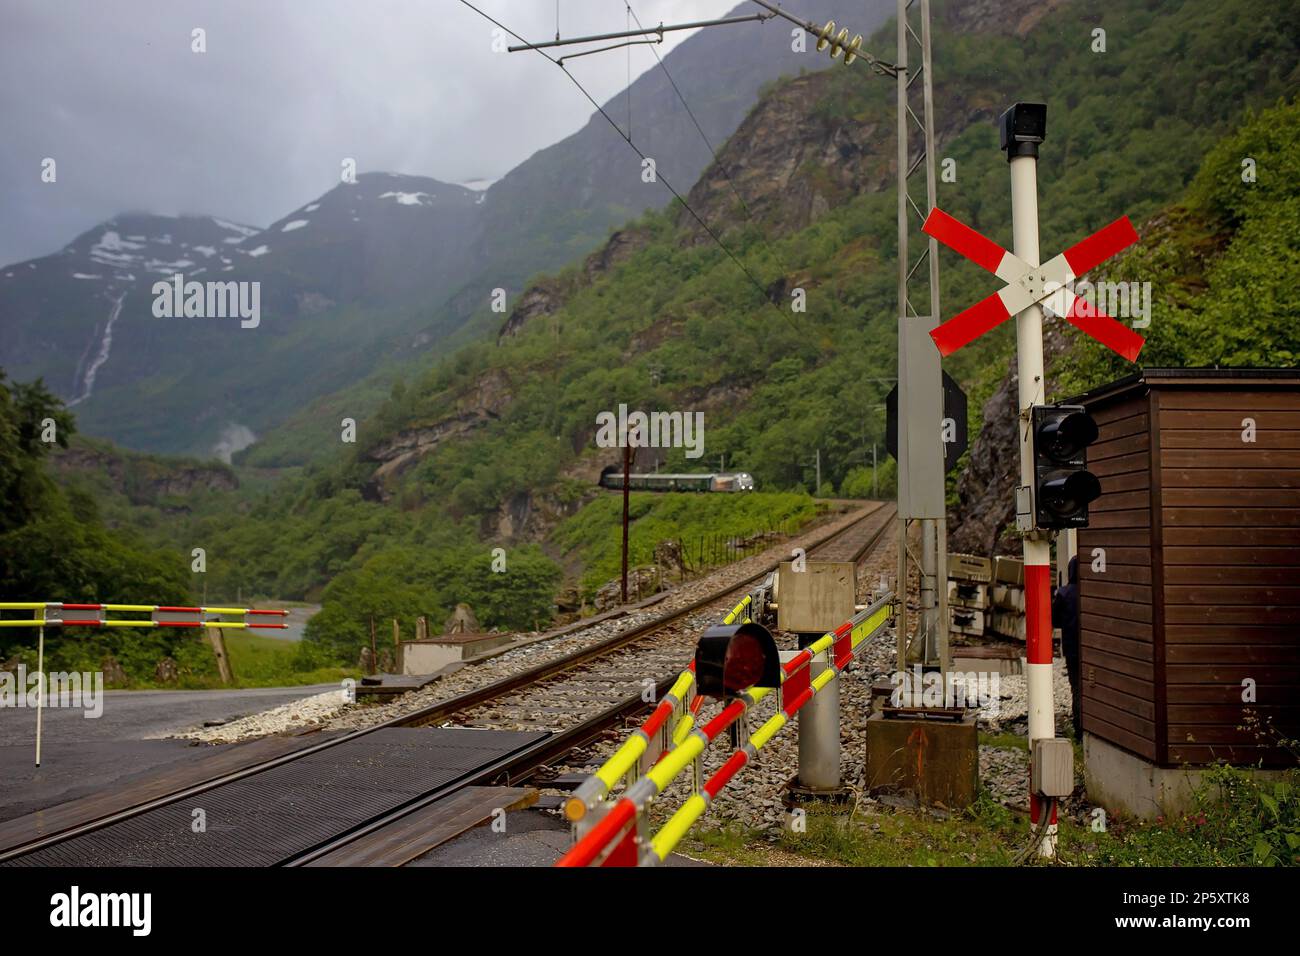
column 62, row 614
column 1027, row 284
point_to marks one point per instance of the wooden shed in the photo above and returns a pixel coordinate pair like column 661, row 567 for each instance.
column 1199, row 528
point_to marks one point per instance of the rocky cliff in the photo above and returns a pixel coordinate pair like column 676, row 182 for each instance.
column 141, row 479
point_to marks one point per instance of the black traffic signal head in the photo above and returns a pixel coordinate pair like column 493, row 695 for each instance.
column 1022, row 128
column 734, row 657
column 1065, row 436
column 1063, row 486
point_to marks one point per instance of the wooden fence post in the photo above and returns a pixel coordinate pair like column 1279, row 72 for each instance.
column 218, row 642
column 374, row 651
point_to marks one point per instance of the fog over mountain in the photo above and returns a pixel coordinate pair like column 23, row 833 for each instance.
column 369, row 270
column 259, row 123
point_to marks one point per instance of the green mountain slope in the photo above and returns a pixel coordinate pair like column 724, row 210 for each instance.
column 666, row 320
column 367, row 280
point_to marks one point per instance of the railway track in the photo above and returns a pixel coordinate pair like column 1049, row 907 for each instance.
column 587, row 686
column 555, row 708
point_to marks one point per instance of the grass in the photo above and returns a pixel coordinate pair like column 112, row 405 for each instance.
column 986, row 835
column 703, row 523
column 1237, row 818
column 260, row 661
column 1005, row 741
column 257, row 660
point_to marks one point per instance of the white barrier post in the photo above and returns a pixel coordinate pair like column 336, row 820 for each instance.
column 40, row 689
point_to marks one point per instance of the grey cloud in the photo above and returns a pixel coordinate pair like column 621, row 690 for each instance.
column 259, row 123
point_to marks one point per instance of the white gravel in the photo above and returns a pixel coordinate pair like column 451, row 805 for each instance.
column 307, row 712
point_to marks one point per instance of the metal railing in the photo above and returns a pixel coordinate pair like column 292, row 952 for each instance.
column 616, row 832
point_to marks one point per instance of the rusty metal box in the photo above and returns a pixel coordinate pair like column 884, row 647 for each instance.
column 937, row 760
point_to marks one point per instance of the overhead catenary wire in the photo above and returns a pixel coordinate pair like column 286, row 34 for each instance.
column 825, row 36
column 749, row 217
column 628, row 139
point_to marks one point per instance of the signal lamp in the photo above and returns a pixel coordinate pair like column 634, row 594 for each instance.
column 1063, row 486
column 731, row 658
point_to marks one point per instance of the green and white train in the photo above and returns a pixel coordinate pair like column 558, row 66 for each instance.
column 612, row 477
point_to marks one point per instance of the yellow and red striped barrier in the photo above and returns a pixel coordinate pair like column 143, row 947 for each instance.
column 651, row 739
column 56, row 614
column 616, row 839
column 59, row 614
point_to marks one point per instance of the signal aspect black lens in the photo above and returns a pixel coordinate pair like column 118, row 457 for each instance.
column 1063, row 486
column 1070, row 494
column 732, row 658
column 1064, row 438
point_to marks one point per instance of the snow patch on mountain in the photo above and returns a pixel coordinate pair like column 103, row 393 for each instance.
column 112, row 249
column 296, row 224
column 409, row 199
column 244, row 231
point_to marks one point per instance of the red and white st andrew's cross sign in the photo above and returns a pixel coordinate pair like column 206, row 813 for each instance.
column 1026, row 284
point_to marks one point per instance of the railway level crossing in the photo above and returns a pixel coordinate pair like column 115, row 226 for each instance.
column 669, row 743
column 1054, row 487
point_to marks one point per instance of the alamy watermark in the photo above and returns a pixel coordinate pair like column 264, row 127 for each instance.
column 133, row 911
column 177, row 298
column 1119, row 300
column 979, row 690
column 639, row 429
column 71, row 690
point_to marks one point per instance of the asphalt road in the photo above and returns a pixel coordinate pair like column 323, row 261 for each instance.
column 80, row 755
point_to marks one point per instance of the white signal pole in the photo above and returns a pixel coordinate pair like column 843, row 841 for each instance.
column 1022, row 156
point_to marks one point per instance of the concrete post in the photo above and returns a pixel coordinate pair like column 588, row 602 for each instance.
column 819, row 735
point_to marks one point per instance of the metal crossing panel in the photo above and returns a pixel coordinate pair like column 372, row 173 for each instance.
column 275, row 815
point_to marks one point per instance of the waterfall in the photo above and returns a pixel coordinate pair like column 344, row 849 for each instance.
column 105, row 344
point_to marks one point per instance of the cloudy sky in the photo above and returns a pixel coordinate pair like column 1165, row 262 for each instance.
column 259, row 123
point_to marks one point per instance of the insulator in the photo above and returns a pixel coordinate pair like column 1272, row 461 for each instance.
column 823, row 38
column 839, row 43
column 851, row 51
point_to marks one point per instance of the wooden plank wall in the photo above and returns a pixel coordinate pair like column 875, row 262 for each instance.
column 1230, row 528
column 1117, row 646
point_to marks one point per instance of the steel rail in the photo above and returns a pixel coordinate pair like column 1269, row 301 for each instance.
column 506, row 771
